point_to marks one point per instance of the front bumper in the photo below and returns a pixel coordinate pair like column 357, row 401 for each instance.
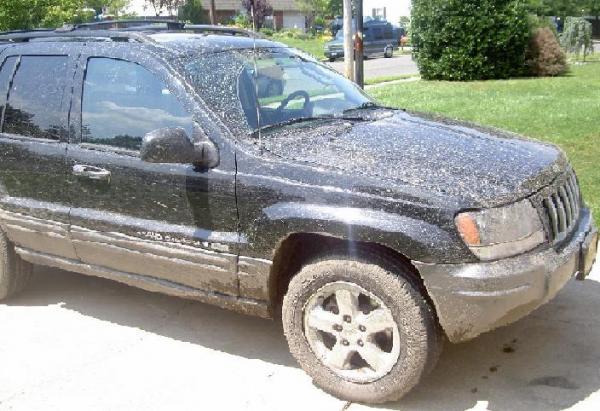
column 474, row 298
column 334, row 54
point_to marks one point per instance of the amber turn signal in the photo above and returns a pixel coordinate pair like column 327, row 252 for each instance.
column 467, row 227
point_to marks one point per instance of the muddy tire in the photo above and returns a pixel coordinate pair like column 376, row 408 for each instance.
column 15, row 273
column 360, row 327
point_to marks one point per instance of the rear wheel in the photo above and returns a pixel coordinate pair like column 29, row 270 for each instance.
column 14, row 272
column 360, row 328
column 331, row 59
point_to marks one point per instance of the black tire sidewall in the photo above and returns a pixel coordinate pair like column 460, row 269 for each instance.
column 6, row 267
column 15, row 273
column 408, row 308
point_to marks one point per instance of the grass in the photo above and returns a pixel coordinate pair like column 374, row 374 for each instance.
column 387, row 79
column 312, row 46
column 561, row 110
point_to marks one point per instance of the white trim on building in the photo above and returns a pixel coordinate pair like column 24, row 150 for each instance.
column 391, row 10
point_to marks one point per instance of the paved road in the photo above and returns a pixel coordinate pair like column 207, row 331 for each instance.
column 382, row 67
column 79, row 343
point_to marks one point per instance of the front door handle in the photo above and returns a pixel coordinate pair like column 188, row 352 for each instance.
column 91, row 172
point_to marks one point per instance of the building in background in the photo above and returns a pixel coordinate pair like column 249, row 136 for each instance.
column 390, row 10
column 286, row 13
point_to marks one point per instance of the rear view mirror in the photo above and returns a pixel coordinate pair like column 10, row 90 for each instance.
column 173, row 146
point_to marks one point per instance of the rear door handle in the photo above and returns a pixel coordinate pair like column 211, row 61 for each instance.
column 91, row 172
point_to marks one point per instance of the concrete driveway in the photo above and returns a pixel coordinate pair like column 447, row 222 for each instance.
column 77, row 343
column 382, row 67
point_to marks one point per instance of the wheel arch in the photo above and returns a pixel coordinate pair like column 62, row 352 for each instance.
column 298, row 249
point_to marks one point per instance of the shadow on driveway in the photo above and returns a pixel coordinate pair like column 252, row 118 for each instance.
column 550, row 360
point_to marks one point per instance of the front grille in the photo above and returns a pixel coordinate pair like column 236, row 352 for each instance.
column 562, row 209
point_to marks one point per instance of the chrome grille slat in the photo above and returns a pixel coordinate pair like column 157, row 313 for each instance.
column 553, row 216
column 562, row 209
column 562, row 215
column 571, row 197
column 576, row 194
column 567, row 203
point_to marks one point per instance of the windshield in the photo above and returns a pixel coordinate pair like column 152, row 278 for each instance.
column 271, row 86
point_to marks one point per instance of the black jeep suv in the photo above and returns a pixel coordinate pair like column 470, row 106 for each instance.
column 155, row 158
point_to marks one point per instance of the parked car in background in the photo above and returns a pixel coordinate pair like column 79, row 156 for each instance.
column 380, row 39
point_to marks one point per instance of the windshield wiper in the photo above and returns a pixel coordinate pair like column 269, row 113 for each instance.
column 303, row 120
column 364, row 106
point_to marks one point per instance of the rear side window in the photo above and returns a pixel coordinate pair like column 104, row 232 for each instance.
column 122, row 101
column 6, row 70
column 35, row 98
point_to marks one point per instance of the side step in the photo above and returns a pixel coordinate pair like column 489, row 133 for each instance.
column 239, row 304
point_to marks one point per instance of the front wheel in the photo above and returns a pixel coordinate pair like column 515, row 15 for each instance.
column 14, row 272
column 360, row 328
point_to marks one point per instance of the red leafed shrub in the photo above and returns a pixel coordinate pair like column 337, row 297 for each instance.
column 544, row 55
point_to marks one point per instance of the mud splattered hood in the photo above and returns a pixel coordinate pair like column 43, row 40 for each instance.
column 485, row 167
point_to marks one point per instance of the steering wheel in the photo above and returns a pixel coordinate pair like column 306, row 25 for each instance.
column 293, row 96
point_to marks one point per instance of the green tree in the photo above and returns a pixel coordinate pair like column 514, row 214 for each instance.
column 592, row 8
column 470, row 39
column 560, row 8
column 115, row 7
column 257, row 10
column 192, row 12
column 160, row 5
column 313, row 9
column 577, row 36
column 335, row 7
column 17, row 14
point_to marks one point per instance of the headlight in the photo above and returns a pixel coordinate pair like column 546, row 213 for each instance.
column 501, row 232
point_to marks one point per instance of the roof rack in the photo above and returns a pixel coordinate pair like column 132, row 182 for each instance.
column 25, row 36
column 147, row 24
column 122, row 30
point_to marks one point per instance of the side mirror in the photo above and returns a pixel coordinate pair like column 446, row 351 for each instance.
column 173, row 146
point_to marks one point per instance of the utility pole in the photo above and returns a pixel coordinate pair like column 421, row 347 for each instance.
column 348, row 42
column 213, row 12
column 359, row 64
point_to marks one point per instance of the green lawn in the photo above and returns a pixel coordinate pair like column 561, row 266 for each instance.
column 563, row 110
column 387, row 79
column 314, row 46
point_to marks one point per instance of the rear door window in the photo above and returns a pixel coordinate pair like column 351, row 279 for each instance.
column 35, row 99
column 123, row 101
column 6, row 71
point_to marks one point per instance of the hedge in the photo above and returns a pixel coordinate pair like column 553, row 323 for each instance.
column 470, row 39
